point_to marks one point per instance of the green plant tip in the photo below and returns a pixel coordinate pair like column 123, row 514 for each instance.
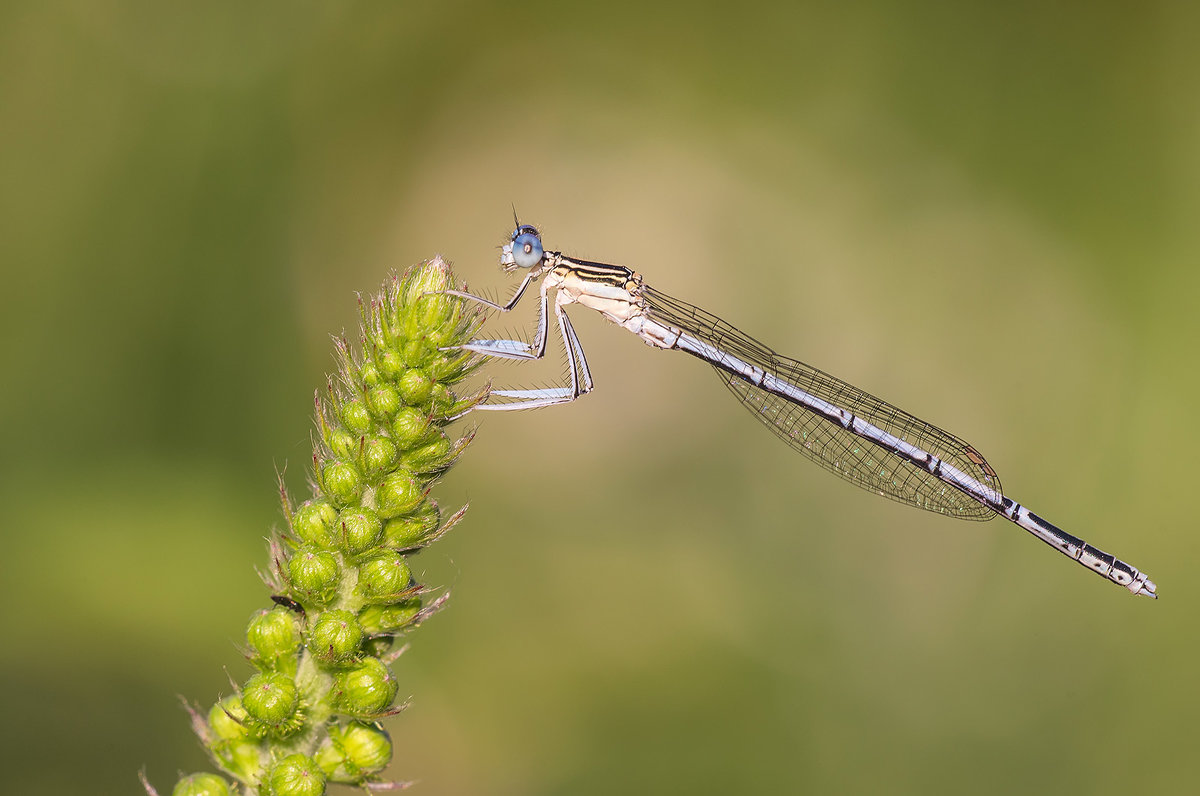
column 431, row 277
column 306, row 717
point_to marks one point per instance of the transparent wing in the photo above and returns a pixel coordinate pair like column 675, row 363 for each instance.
column 846, row 454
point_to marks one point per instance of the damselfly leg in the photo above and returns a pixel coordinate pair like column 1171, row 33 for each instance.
column 578, row 374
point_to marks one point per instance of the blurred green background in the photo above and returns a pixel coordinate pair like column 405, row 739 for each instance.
column 985, row 213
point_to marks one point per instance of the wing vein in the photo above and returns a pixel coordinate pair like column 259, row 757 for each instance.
column 838, row 450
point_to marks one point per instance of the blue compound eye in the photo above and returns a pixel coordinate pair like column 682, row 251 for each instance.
column 526, row 247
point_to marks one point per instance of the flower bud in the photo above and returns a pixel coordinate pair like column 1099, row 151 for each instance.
column 409, row 427
column 354, row 750
column 201, row 785
column 383, row 401
column 275, row 639
column 296, row 775
column 441, row 398
column 341, row 483
column 398, row 493
column 313, row 523
column 360, row 530
column 414, row 529
column 430, row 456
column 415, row 386
column 335, row 638
column 434, row 314
column 378, row 454
column 315, row 574
column 445, row 335
column 430, row 277
column 342, row 443
column 391, row 365
column 378, row 646
column 414, row 353
column 369, row 374
column 227, row 719
column 379, row 619
column 445, row 367
column 272, row 702
column 383, row 577
column 365, row 690
column 356, row 416
column 241, row 759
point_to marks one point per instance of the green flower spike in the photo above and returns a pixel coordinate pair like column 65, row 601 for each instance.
column 340, row 577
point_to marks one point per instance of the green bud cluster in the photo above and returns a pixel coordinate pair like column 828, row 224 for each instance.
column 343, row 584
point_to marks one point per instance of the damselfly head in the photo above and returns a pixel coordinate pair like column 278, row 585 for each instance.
column 525, row 250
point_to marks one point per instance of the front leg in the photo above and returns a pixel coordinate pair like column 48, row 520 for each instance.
column 512, row 302
column 510, row 349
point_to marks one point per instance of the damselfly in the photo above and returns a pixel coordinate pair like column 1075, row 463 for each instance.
column 859, row 437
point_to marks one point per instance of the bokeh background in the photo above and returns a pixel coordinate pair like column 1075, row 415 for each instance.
column 983, row 212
